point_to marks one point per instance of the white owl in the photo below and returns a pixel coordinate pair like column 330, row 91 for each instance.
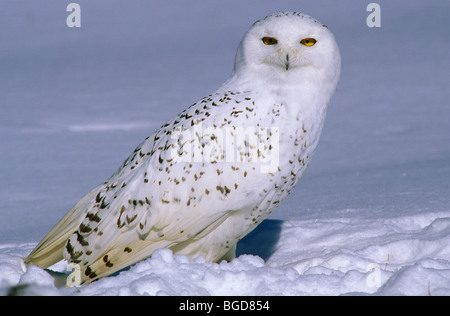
column 208, row 177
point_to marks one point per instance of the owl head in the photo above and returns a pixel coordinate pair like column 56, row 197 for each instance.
column 288, row 48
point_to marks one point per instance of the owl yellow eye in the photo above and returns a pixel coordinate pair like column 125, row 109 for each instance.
column 269, row 40
column 308, row 41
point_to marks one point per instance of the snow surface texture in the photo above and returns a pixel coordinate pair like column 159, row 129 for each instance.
column 370, row 216
column 405, row 256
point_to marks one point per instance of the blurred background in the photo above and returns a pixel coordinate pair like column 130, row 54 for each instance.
column 75, row 102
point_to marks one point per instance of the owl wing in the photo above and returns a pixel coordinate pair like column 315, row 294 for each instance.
column 127, row 225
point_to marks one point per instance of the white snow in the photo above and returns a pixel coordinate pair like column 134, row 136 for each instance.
column 400, row 256
column 371, row 216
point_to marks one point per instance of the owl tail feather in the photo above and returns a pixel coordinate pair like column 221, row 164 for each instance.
column 50, row 250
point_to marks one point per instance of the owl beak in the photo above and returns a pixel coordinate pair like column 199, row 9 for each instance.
column 287, row 62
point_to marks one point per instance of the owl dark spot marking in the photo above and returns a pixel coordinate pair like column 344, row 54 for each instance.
column 84, row 228
column 235, row 113
column 119, row 223
column 81, row 240
column 98, row 198
column 108, row 263
column 206, row 191
column 70, row 248
column 130, row 220
column 219, row 188
column 103, row 205
column 93, row 217
column 127, row 249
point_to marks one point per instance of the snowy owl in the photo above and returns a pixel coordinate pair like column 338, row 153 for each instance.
column 209, row 176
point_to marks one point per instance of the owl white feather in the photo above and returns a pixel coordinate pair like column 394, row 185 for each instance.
column 208, row 177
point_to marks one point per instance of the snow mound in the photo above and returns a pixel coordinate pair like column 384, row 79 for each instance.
column 409, row 255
